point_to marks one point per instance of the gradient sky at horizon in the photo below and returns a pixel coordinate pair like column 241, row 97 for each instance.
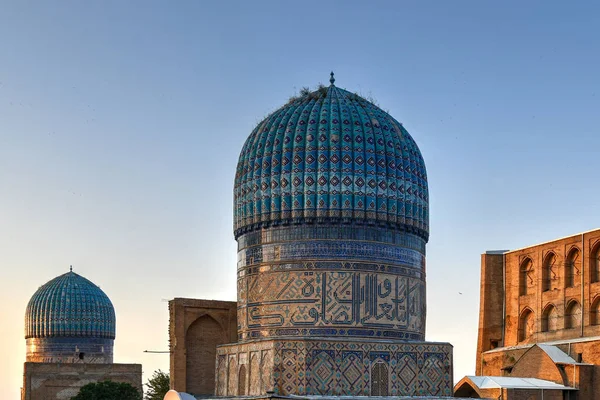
column 121, row 124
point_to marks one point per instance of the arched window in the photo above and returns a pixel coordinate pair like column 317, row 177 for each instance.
column 572, row 315
column 526, row 324
column 549, row 275
column 572, row 267
column 549, row 319
column 595, row 312
column 595, row 263
column 526, row 278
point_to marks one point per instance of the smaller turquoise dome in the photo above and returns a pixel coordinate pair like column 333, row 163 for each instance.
column 69, row 306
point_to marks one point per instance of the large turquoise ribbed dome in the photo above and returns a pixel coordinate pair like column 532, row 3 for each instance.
column 331, row 156
column 69, row 306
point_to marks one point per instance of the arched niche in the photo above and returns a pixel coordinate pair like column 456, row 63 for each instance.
column 242, row 381
column 549, row 272
column 526, row 324
column 572, row 314
column 201, row 341
column 572, row 267
column 232, row 377
column 595, row 311
column 549, row 318
column 526, row 277
column 254, row 376
column 595, row 263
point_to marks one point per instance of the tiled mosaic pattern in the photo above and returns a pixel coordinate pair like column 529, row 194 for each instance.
column 70, row 319
column 324, row 287
column 363, row 233
column 70, row 306
column 335, row 368
column 331, row 155
column 70, row 350
column 259, row 370
column 307, row 303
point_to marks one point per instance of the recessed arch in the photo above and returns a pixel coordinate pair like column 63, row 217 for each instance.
column 242, row 381
column 526, row 324
column 595, row 262
column 549, row 272
column 526, row 277
column 572, row 314
column 595, row 311
column 266, row 368
column 572, row 267
column 549, row 318
column 201, row 340
column 254, row 376
column 232, row 378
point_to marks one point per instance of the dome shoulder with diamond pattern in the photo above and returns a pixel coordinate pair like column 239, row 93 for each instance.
column 331, row 156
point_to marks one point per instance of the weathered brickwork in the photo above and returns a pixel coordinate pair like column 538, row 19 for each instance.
column 196, row 327
column 325, row 367
column 547, row 293
column 61, row 381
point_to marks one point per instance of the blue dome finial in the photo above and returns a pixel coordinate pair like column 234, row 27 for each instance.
column 332, row 79
column 70, row 268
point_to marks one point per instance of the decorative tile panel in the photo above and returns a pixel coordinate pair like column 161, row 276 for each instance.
column 344, row 368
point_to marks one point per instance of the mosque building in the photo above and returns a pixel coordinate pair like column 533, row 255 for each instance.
column 70, row 331
column 331, row 217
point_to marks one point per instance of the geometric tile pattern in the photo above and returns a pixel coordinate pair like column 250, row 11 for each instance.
column 331, row 288
column 70, row 305
column 331, row 303
column 69, row 319
column 330, row 156
column 345, row 368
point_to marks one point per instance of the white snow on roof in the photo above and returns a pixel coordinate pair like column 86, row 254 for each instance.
column 495, row 382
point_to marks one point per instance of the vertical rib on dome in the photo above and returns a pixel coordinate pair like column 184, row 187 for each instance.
column 331, row 155
column 69, row 306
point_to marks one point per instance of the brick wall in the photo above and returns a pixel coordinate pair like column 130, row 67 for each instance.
column 196, row 327
column 52, row 381
column 549, row 292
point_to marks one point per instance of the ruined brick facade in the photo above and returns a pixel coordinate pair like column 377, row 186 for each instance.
column 547, row 293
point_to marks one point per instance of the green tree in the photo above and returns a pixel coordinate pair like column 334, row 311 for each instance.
column 157, row 386
column 108, row 390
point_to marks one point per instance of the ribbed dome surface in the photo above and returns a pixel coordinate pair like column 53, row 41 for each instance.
column 331, row 156
column 69, row 306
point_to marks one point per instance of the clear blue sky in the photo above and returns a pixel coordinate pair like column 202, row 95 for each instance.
column 121, row 124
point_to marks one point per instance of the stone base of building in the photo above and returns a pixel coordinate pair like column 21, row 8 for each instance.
column 52, row 381
column 325, row 367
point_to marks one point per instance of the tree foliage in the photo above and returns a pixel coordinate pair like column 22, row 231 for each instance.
column 108, row 390
column 157, row 386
